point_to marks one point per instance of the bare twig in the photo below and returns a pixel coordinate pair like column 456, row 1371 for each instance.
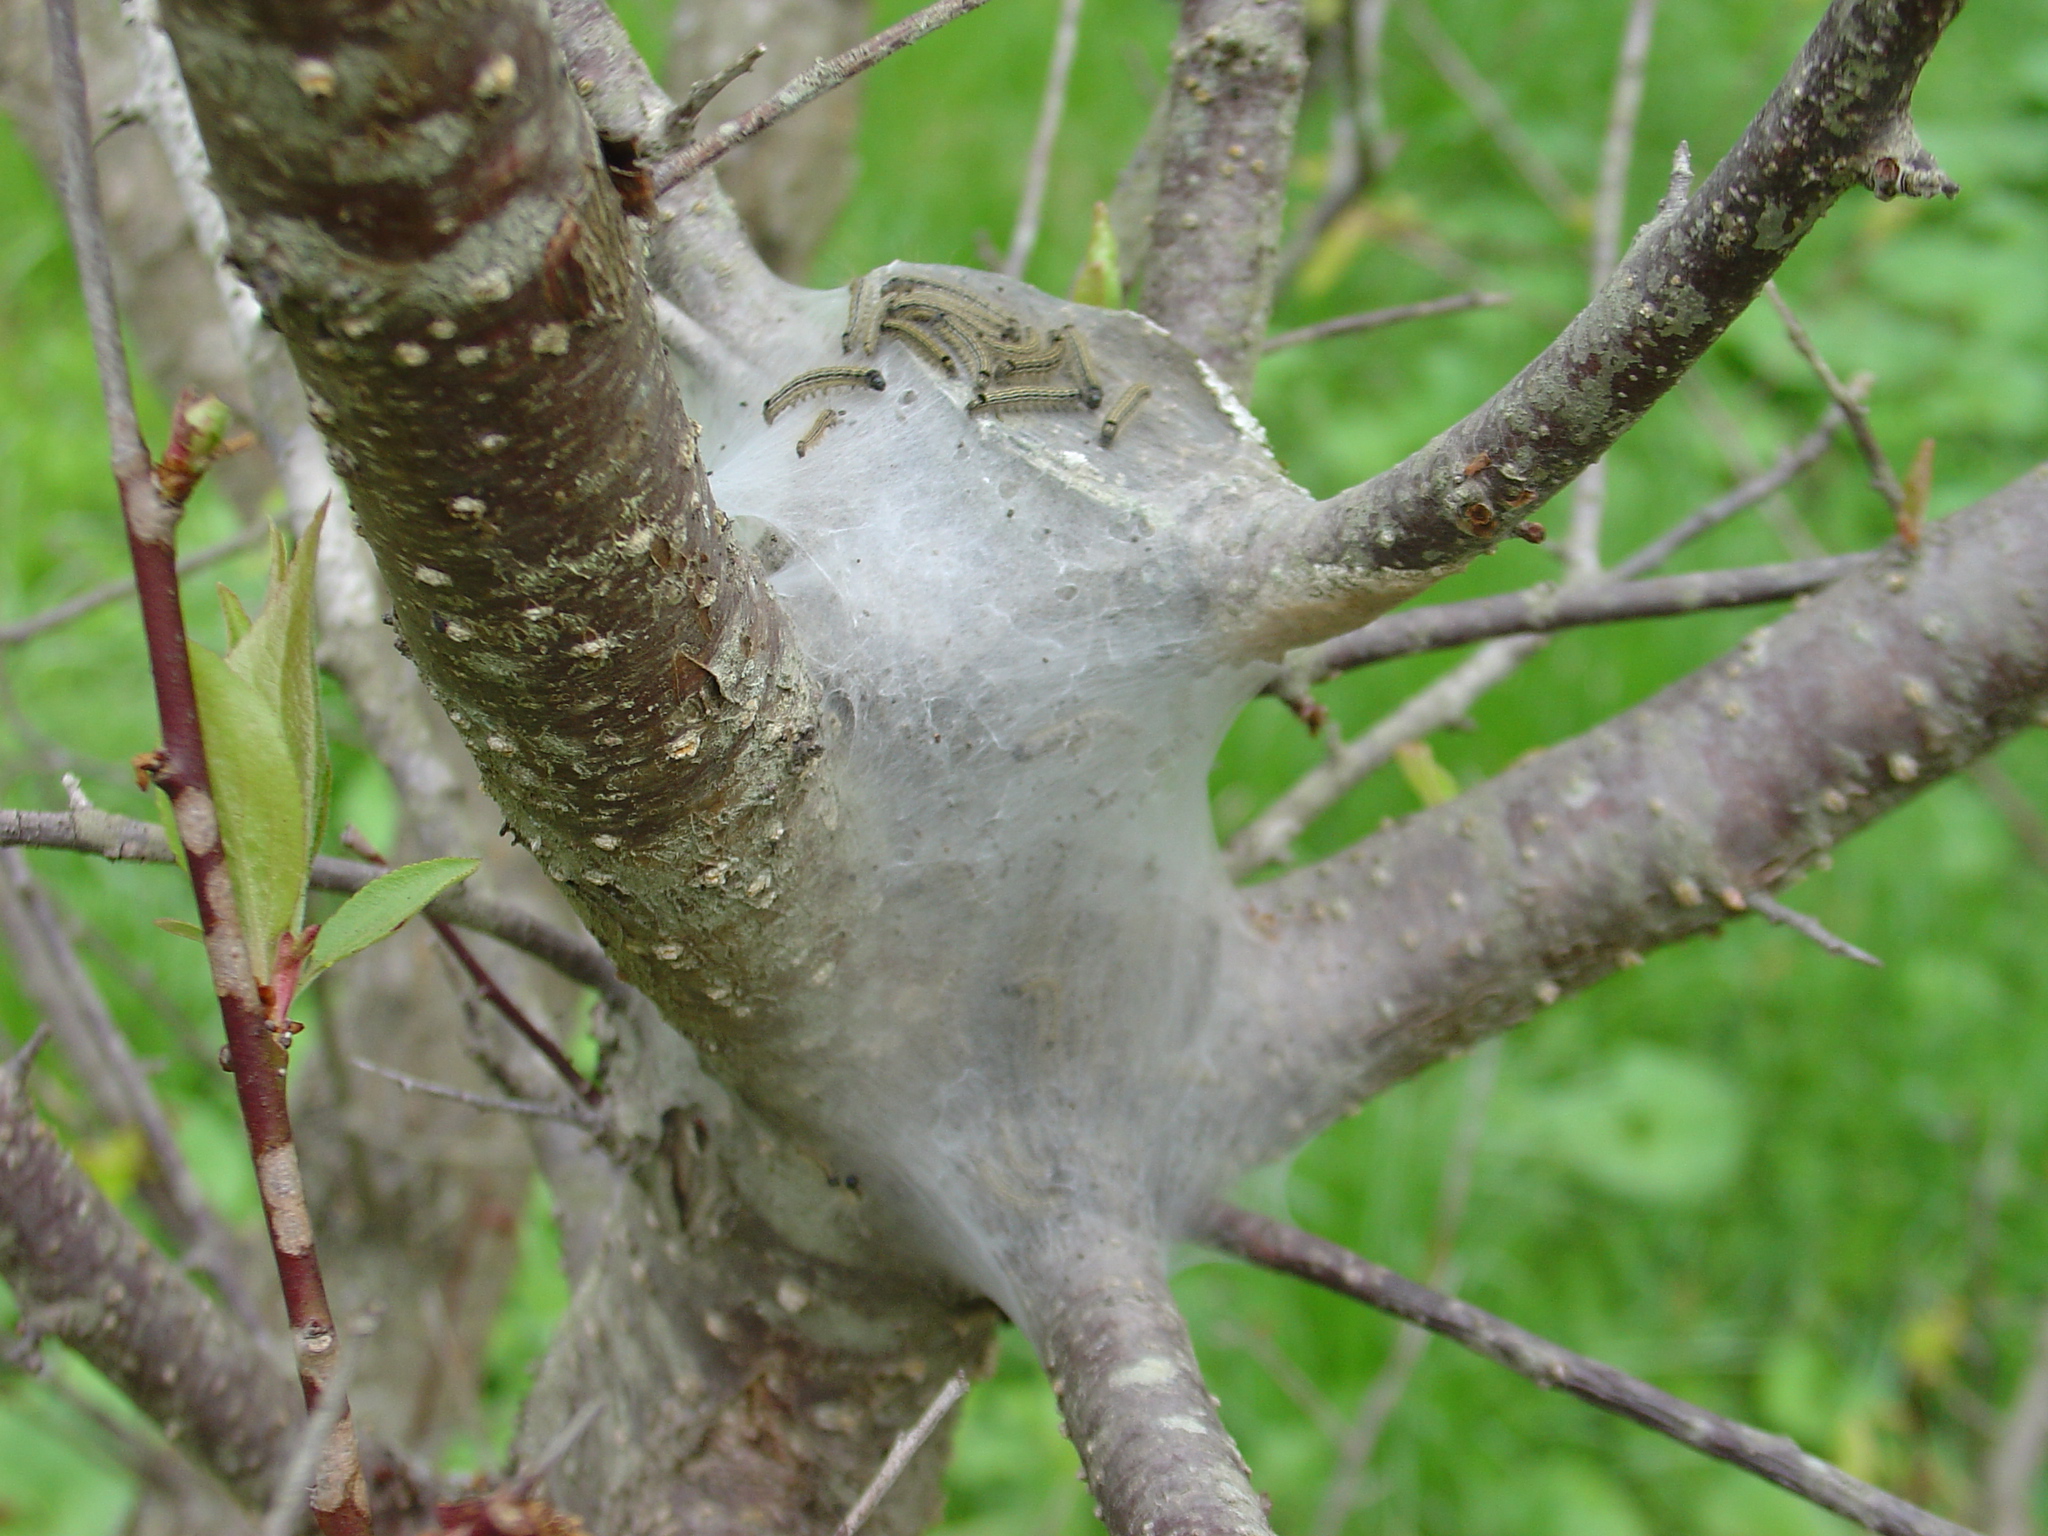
column 564, row 1442
column 1208, row 263
column 1617, row 147
column 705, row 91
column 341, row 1502
column 570, row 1114
column 495, row 995
column 1267, row 837
column 1850, row 400
column 2012, row 1472
column 113, row 591
column 1273, row 1245
column 1038, row 166
column 1773, row 910
column 906, row 1446
column 1373, row 319
column 823, row 76
column 1789, row 465
column 1360, row 147
column 123, row 838
column 1485, row 103
column 1610, row 194
column 1542, row 609
column 1839, row 117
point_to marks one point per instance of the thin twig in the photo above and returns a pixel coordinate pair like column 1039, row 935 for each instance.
column 1773, row 910
column 1485, row 103
column 1850, row 399
column 514, row 1015
column 1360, row 147
column 906, row 1446
column 701, row 95
column 1266, row 838
column 570, row 1114
column 1373, row 319
column 1273, row 1245
column 823, row 76
column 1788, row 467
column 180, row 769
column 123, row 586
column 1038, row 166
column 1542, row 609
column 563, row 1443
column 123, row 838
column 1610, row 196
column 487, row 984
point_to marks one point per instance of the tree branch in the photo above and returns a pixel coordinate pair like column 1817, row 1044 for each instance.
column 82, row 1274
column 1839, row 118
column 1212, row 259
column 628, row 697
column 123, row 838
column 1272, row 1245
column 1542, row 609
column 823, row 76
column 1463, row 920
column 1135, row 1405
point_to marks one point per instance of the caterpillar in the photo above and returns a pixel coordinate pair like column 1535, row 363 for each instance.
column 804, row 385
column 1127, row 401
column 863, row 316
column 1084, row 363
column 1030, row 399
column 920, row 343
column 826, row 420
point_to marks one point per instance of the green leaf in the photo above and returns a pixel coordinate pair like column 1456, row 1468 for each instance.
column 1098, row 281
column 180, row 928
column 380, row 907
column 232, row 613
column 167, row 818
column 275, row 656
column 258, row 796
column 1432, row 782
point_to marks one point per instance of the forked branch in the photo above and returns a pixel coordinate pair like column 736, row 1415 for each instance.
column 1840, row 118
column 1661, row 823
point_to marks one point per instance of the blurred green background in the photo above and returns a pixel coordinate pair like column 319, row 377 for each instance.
column 1790, row 1188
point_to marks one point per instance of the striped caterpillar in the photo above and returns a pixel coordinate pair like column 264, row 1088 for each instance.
column 804, row 385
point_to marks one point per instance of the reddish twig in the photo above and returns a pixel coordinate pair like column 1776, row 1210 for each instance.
column 823, row 76
column 493, row 994
column 255, row 1053
column 1274, row 1245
